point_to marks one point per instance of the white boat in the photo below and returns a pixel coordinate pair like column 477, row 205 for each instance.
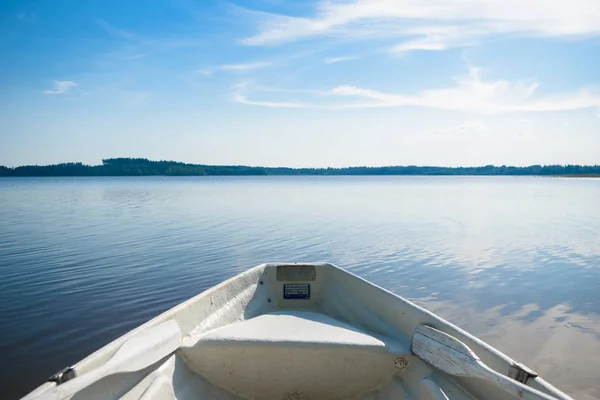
column 297, row 331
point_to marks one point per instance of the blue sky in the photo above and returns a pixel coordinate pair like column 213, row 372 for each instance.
column 301, row 83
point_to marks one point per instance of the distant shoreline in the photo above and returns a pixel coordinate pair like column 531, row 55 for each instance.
column 145, row 167
column 579, row 176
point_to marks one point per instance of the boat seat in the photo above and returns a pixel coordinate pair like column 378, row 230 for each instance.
column 279, row 354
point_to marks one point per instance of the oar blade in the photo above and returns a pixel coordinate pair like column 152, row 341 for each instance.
column 444, row 352
column 452, row 356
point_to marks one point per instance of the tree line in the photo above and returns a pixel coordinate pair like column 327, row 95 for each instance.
column 145, row 167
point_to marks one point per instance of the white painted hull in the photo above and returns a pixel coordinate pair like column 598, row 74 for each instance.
column 294, row 331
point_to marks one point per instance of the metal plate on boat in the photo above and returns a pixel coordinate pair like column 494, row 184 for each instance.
column 296, row 273
column 296, row 291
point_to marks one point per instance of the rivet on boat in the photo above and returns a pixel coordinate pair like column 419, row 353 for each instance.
column 400, row 363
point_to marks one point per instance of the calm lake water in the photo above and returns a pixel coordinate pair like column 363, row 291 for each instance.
column 513, row 260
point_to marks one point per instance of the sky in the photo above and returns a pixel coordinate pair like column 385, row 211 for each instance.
column 301, row 83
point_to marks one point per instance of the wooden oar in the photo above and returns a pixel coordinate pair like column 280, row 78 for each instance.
column 137, row 353
column 452, row 356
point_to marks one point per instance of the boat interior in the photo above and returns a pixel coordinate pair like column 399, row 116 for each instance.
column 291, row 332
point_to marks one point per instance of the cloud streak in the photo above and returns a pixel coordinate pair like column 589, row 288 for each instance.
column 334, row 60
column 241, row 98
column 241, row 67
column 431, row 24
column 116, row 32
column 61, row 87
column 132, row 45
column 469, row 93
column 240, row 90
column 251, row 66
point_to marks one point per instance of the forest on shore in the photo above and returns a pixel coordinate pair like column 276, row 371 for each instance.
column 145, row 167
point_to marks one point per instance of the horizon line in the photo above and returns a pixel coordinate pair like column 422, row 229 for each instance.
column 143, row 159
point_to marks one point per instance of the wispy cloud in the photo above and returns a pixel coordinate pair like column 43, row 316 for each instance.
column 470, row 93
column 115, row 31
column 442, row 37
column 241, row 98
column 432, row 24
column 134, row 46
column 61, row 87
column 333, row 60
column 242, row 67
column 240, row 89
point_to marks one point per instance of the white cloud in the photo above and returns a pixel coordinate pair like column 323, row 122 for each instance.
column 420, row 44
column 469, row 93
column 459, row 21
column 61, row 87
column 333, row 60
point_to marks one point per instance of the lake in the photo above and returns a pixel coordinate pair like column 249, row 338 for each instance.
column 513, row 260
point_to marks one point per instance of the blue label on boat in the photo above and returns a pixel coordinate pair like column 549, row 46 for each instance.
column 296, row 291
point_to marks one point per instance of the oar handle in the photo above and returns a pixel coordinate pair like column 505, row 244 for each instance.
column 511, row 386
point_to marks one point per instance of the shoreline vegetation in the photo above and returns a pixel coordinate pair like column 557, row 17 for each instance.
column 145, row 167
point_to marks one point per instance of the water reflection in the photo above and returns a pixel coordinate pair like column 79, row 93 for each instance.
column 84, row 260
column 559, row 344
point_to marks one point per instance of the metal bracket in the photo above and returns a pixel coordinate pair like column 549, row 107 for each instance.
column 521, row 373
column 65, row 374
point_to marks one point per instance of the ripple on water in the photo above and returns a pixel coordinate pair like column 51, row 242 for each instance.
column 83, row 261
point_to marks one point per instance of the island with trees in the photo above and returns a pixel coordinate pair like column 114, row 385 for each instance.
column 145, row 167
